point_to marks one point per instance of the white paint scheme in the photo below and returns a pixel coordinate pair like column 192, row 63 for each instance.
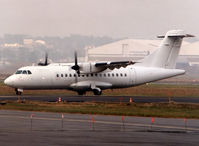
column 159, row 65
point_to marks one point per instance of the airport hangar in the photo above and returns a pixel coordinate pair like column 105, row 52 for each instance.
column 136, row 49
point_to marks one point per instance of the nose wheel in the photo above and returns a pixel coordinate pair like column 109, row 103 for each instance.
column 18, row 91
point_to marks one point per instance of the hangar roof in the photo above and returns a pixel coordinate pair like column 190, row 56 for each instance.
column 129, row 46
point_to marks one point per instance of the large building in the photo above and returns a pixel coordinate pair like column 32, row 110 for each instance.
column 136, row 49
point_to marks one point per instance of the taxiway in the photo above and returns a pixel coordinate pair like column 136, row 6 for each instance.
column 18, row 128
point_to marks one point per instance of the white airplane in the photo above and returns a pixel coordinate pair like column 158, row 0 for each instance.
column 97, row 76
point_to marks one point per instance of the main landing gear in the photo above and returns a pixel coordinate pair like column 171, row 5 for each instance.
column 96, row 91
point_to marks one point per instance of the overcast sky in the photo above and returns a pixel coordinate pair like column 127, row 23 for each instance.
column 114, row 18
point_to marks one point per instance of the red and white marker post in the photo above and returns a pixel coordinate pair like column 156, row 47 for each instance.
column 130, row 100
column 62, row 121
column 122, row 119
column 31, row 117
column 152, row 121
column 59, row 100
column 93, row 121
column 185, row 124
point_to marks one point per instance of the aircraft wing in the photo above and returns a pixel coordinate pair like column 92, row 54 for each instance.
column 96, row 67
column 113, row 65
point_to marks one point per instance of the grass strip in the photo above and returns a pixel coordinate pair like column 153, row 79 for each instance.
column 160, row 90
column 167, row 110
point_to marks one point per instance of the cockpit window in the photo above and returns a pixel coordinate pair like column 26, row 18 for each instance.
column 24, row 72
column 19, row 72
column 29, row 72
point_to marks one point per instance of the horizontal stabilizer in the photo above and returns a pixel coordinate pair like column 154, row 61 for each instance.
column 186, row 35
column 176, row 33
column 166, row 55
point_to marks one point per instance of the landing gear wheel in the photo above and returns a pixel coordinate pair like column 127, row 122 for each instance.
column 97, row 92
column 18, row 92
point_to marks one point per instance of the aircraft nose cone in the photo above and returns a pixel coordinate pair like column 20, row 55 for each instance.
column 8, row 81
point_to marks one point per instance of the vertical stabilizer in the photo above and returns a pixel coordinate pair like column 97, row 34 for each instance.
column 166, row 55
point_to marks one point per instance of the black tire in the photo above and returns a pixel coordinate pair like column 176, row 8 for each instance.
column 97, row 92
column 18, row 93
column 81, row 92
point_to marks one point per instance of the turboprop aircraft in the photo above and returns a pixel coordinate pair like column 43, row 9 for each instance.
column 98, row 76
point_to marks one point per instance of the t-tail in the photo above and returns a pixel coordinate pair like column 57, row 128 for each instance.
column 161, row 63
column 166, row 55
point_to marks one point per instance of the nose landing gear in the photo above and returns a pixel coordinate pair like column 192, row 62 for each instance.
column 18, row 91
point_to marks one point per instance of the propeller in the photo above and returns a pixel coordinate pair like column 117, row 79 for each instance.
column 46, row 61
column 76, row 66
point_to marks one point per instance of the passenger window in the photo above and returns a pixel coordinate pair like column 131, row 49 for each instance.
column 78, row 75
column 57, row 75
column 19, row 72
column 112, row 74
column 29, row 72
column 125, row 75
column 65, row 75
column 108, row 75
column 100, row 75
column 74, row 75
column 91, row 75
column 82, row 75
column 24, row 72
column 87, row 75
column 116, row 74
column 70, row 75
column 104, row 75
column 121, row 75
column 96, row 75
column 62, row 75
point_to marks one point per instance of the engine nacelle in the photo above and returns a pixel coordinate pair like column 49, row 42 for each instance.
column 89, row 67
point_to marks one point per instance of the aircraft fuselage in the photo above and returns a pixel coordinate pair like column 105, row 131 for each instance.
column 61, row 76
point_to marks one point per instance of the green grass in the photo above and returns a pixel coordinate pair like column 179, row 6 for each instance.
column 160, row 85
column 173, row 110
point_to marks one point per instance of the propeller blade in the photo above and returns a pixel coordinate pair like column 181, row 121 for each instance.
column 75, row 58
column 46, row 59
column 45, row 63
column 76, row 66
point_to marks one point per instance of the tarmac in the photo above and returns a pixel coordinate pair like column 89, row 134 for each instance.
column 41, row 128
